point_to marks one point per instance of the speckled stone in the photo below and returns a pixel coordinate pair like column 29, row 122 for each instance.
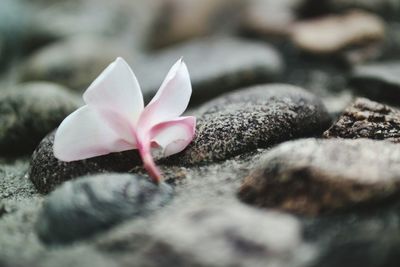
column 46, row 171
column 30, row 111
column 81, row 208
column 367, row 119
column 321, row 176
column 254, row 117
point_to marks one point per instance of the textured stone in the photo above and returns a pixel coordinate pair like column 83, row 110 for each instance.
column 29, row 111
column 46, row 171
column 81, row 208
column 321, row 176
column 255, row 117
column 367, row 119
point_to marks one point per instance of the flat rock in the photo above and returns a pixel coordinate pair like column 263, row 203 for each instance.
column 86, row 206
column 378, row 81
column 216, row 65
column 46, row 171
column 320, row 176
column 367, row 119
column 229, row 235
column 254, row 117
column 335, row 32
column 29, row 111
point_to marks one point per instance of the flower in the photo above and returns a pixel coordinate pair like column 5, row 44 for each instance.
column 114, row 118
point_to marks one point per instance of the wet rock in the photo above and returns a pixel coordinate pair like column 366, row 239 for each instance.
column 378, row 81
column 229, row 235
column 336, row 32
column 46, row 171
column 81, row 208
column 216, row 65
column 367, row 119
column 322, row 176
column 75, row 62
column 254, row 117
column 29, row 111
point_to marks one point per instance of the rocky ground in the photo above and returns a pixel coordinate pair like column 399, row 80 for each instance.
column 295, row 161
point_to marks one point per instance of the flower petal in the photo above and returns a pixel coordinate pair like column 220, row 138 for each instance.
column 85, row 134
column 116, row 89
column 171, row 99
column 174, row 135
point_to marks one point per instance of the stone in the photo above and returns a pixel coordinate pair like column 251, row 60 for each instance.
column 324, row 176
column 252, row 118
column 333, row 33
column 46, row 171
column 213, row 70
column 228, row 235
column 74, row 62
column 81, row 208
column 29, row 111
column 377, row 81
column 367, row 119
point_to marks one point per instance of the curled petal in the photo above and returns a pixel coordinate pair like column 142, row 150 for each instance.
column 174, row 135
column 171, row 99
column 85, row 134
column 117, row 90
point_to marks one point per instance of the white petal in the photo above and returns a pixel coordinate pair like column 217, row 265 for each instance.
column 85, row 134
column 118, row 90
column 171, row 99
column 173, row 136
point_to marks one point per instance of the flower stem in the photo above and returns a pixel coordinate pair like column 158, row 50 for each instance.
column 150, row 166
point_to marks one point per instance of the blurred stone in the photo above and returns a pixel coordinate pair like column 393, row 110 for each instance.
column 79, row 209
column 255, row 117
column 367, row 119
column 29, row 111
column 216, row 65
column 321, row 176
column 378, row 81
column 336, row 32
column 46, row 171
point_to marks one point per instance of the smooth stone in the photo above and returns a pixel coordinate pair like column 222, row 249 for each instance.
column 378, row 81
column 46, row 171
column 333, row 33
column 213, row 70
column 224, row 235
column 30, row 111
column 89, row 205
column 367, row 119
column 74, row 62
column 314, row 176
column 252, row 118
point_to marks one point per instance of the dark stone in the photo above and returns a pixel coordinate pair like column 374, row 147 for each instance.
column 378, row 81
column 81, row 208
column 322, row 176
column 255, row 117
column 216, row 65
column 367, row 119
column 46, row 171
column 29, row 112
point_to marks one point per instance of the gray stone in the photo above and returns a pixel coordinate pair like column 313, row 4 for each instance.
column 79, row 209
column 46, row 171
column 322, row 176
column 255, row 117
column 29, row 111
column 378, row 81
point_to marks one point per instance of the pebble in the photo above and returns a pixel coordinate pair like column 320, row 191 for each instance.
column 314, row 177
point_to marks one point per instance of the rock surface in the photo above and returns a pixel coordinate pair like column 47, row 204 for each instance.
column 81, row 208
column 29, row 111
column 320, row 176
column 255, row 117
column 46, row 171
column 367, row 119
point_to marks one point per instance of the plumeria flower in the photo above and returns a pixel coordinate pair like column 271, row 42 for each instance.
column 114, row 118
